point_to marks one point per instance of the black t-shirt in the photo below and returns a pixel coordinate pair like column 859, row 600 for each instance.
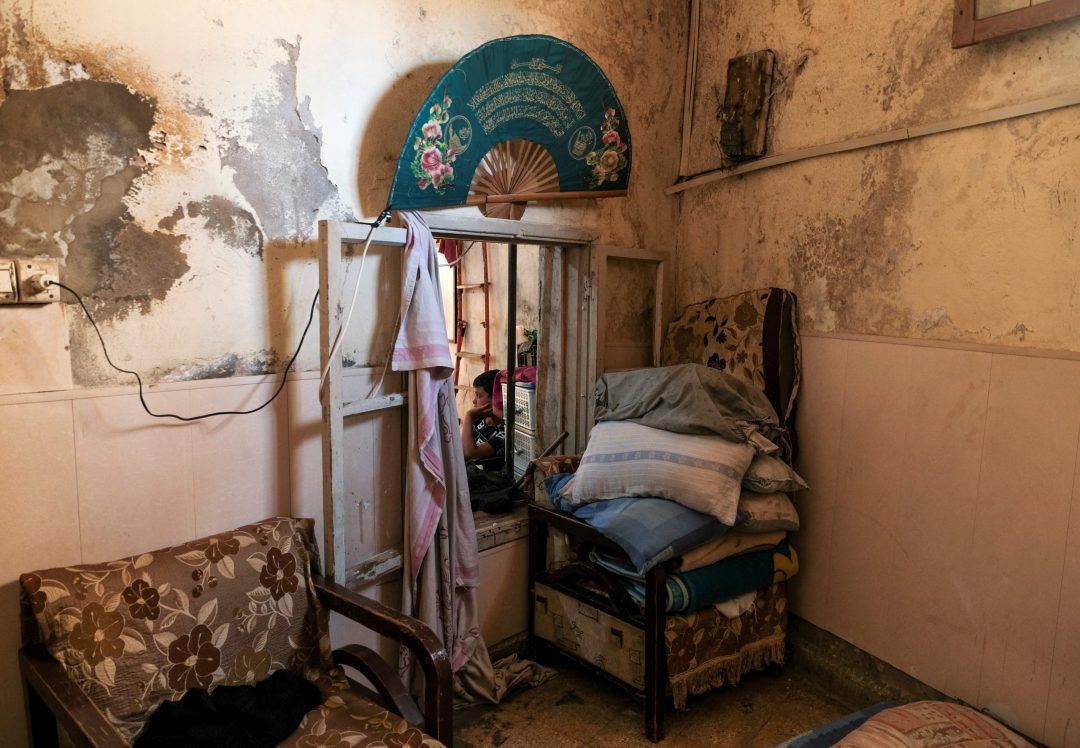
column 485, row 433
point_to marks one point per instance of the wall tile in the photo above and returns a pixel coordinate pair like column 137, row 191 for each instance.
column 241, row 463
column 861, row 604
column 305, row 452
column 135, row 475
column 1020, row 530
column 820, row 411
column 41, row 525
column 40, row 335
column 1063, row 702
column 938, row 640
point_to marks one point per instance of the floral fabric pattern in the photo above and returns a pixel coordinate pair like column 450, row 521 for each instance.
column 226, row 609
column 432, row 164
column 541, row 468
column 348, row 719
column 610, row 159
column 706, row 649
column 723, row 333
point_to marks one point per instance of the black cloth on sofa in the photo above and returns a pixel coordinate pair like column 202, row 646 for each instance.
column 258, row 716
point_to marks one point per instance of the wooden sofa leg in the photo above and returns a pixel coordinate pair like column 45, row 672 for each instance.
column 40, row 720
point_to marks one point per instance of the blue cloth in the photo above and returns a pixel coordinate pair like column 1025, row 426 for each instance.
column 649, row 530
column 714, row 583
column 832, row 733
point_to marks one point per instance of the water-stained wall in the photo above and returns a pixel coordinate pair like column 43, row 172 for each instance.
column 939, row 528
column 965, row 236
column 176, row 160
column 178, row 167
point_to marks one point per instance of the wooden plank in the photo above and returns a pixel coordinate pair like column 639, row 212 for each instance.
column 524, row 197
column 501, row 230
column 333, row 433
column 1000, row 350
column 597, row 334
column 357, row 233
column 963, row 29
column 999, row 114
column 745, row 111
column 367, row 405
column 688, row 86
column 551, row 348
column 379, row 568
column 971, row 30
column 660, row 315
column 585, row 321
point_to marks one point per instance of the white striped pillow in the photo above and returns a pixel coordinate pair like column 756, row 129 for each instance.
column 702, row 472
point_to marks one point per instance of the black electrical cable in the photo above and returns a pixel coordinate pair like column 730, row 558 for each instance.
column 284, row 375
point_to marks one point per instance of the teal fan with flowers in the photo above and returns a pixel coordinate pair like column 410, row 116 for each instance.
column 517, row 119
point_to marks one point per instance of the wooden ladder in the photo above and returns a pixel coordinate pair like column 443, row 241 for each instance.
column 460, row 323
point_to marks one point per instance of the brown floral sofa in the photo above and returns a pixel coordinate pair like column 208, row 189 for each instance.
column 106, row 643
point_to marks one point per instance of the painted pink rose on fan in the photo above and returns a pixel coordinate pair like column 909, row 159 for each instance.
column 431, row 160
column 608, row 163
column 611, row 137
column 431, row 164
column 444, row 171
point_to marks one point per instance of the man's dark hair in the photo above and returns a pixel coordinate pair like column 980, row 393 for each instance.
column 486, row 381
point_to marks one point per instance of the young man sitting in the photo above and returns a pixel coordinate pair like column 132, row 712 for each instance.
column 483, row 436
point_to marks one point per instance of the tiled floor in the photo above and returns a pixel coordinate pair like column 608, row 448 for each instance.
column 577, row 709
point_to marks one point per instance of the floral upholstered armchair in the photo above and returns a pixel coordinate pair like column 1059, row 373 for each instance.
column 105, row 644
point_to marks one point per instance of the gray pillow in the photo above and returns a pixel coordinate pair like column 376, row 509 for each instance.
column 768, row 474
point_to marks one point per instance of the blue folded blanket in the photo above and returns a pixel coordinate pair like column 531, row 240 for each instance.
column 711, row 584
column 649, row 530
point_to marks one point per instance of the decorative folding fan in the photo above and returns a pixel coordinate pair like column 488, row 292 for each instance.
column 517, row 119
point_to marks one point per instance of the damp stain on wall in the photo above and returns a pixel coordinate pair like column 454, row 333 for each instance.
column 850, row 265
column 224, row 220
column 278, row 167
column 227, row 365
column 69, row 156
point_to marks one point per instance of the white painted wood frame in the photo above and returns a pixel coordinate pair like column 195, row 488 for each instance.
column 333, row 236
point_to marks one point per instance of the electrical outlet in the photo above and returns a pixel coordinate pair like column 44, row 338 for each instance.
column 33, row 276
column 9, row 283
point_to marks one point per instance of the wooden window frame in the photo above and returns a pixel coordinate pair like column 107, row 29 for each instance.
column 967, row 30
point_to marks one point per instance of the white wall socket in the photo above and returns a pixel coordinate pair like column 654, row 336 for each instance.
column 32, row 275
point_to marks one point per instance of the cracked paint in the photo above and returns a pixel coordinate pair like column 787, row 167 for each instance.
column 228, row 365
column 225, row 220
column 278, row 168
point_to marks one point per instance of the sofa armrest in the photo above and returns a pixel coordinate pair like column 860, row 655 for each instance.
column 52, row 699
column 428, row 649
column 384, row 678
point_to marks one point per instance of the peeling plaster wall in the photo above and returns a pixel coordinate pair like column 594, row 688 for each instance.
column 178, row 170
column 177, row 163
column 966, row 236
